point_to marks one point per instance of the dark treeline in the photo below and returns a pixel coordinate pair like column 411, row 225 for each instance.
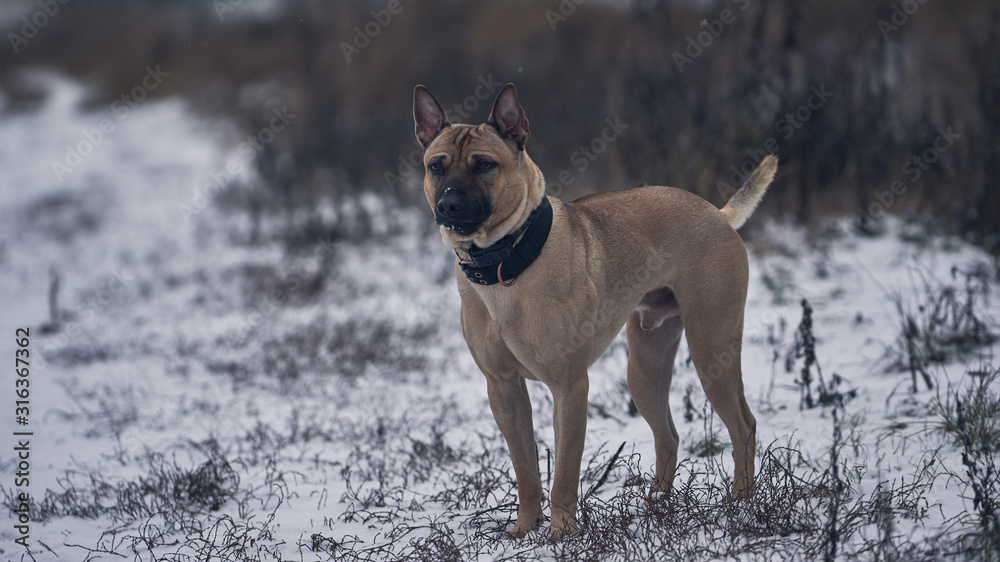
column 870, row 105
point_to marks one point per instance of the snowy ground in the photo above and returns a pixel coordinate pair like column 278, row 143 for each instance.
column 212, row 398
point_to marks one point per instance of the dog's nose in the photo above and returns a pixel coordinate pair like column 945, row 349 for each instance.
column 451, row 206
column 461, row 208
column 461, row 211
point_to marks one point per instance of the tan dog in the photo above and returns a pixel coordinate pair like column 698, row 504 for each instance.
column 656, row 259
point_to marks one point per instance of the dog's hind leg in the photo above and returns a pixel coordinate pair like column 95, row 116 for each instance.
column 650, row 369
column 715, row 341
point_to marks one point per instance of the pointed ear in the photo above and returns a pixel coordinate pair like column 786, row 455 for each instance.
column 508, row 116
column 428, row 115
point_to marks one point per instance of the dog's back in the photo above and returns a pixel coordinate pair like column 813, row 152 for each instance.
column 664, row 201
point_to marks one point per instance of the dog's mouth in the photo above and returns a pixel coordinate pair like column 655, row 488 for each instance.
column 460, row 228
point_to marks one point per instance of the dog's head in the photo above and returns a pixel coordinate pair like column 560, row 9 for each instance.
column 478, row 180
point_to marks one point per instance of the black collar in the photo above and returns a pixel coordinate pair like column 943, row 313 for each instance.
column 510, row 257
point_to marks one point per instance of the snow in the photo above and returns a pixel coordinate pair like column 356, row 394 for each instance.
column 160, row 296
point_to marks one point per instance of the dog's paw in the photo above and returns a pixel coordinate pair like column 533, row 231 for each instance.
column 655, row 496
column 659, row 491
column 522, row 528
column 562, row 528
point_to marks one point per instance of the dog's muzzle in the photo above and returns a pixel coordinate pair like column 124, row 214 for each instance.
column 460, row 214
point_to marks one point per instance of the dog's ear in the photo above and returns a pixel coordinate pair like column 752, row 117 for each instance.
column 508, row 116
column 427, row 114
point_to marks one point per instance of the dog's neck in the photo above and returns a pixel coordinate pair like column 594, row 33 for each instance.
column 506, row 259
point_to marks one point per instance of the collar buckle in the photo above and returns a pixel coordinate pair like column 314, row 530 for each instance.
column 485, row 257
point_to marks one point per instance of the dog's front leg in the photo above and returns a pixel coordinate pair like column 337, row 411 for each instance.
column 512, row 410
column 570, row 421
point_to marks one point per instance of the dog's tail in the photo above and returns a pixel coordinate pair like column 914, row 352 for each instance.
column 743, row 203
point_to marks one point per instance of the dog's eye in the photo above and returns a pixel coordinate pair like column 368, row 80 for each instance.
column 435, row 168
column 485, row 166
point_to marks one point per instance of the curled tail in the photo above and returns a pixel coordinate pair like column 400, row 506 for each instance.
column 743, row 203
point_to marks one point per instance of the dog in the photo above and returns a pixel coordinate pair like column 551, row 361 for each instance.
column 546, row 285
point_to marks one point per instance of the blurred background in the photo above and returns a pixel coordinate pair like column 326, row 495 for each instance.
column 873, row 107
column 211, row 219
